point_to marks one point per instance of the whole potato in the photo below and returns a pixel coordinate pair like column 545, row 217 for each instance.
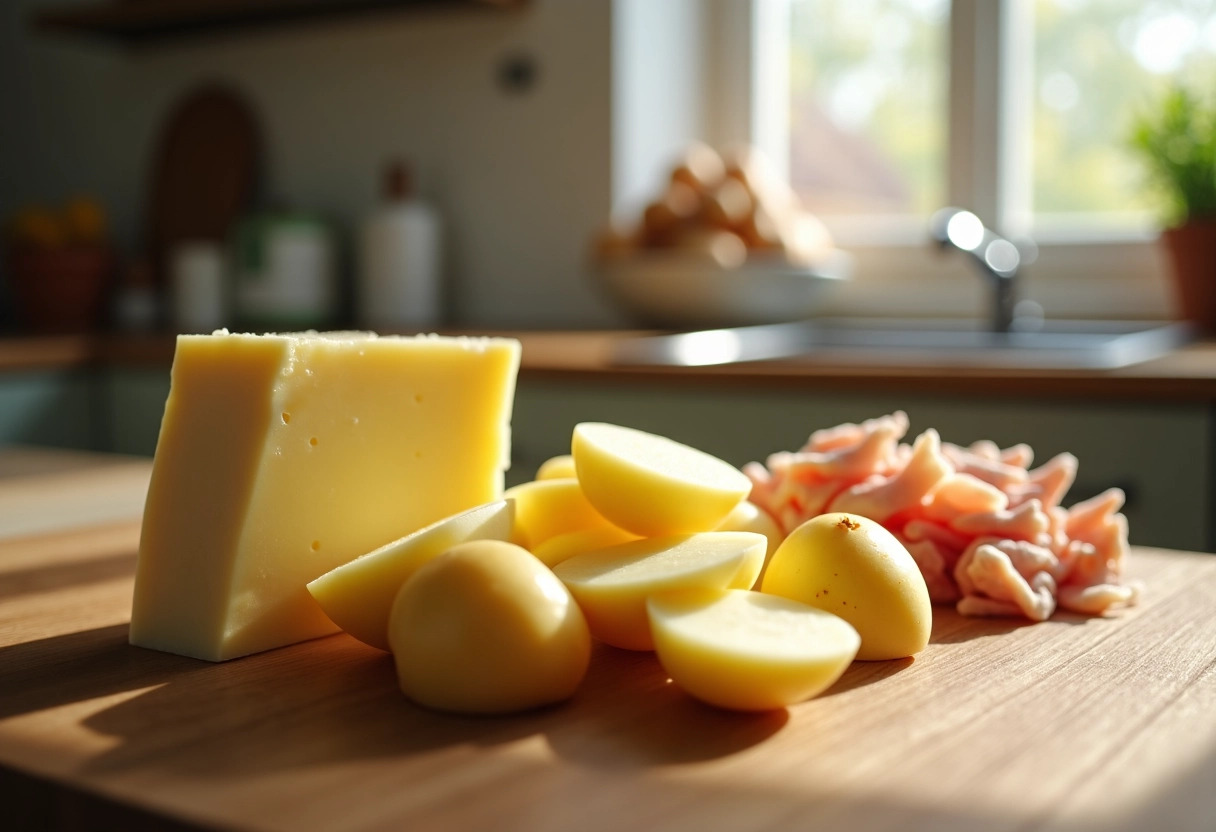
column 851, row 566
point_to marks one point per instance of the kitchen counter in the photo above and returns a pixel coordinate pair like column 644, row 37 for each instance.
column 1077, row 723
column 1184, row 375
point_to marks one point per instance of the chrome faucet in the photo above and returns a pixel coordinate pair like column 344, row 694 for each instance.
column 997, row 258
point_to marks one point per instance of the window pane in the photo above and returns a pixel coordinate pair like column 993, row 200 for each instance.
column 1096, row 64
column 868, row 105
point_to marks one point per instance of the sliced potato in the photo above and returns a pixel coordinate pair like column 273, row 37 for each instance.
column 358, row 595
column 487, row 628
column 557, row 467
column 651, row 485
column 547, row 508
column 612, row 585
column 749, row 517
column 748, row 651
column 564, row 546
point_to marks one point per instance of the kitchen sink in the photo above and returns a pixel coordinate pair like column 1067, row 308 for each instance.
column 1037, row 344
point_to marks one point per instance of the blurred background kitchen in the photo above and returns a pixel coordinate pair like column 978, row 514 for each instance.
column 174, row 165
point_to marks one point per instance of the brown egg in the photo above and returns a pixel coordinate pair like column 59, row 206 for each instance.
column 728, row 206
column 701, row 168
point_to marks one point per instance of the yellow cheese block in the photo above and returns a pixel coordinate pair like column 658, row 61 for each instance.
column 282, row 457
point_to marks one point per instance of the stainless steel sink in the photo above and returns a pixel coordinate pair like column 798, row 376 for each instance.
column 1047, row 344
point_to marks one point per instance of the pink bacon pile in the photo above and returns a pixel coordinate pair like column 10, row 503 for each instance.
column 988, row 533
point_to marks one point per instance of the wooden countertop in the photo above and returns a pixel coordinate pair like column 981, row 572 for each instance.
column 1075, row 723
column 1185, row 375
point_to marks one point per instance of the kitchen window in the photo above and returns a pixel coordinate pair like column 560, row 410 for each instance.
column 880, row 111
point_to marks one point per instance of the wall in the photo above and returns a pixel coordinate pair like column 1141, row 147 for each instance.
column 523, row 179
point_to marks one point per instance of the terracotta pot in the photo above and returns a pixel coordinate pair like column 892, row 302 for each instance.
column 1192, row 251
column 61, row 290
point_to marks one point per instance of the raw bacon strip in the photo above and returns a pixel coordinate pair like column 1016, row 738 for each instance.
column 1086, row 516
column 990, row 471
column 910, row 488
column 1097, row 599
column 1020, row 455
column 986, row 449
column 1026, row 522
column 928, row 530
column 1048, row 483
column 1099, row 559
column 935, row 565
column 848, row 434
column 875, row 453
column 978, row 606
column 992, row 573
column 961, row 494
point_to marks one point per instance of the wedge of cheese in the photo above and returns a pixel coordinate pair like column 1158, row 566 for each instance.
column 282, row 457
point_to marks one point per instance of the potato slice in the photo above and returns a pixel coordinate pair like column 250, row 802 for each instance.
column 487, row 628
column 851, row 566
column 612, row 585
column 748, row 651
column 358, row 595
column 564, row 546
column 557, row 467
column 749, row 517
column 651, row 485
column 547, row 508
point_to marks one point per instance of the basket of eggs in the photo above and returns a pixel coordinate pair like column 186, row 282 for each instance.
column 727, row 243
column 60, row 265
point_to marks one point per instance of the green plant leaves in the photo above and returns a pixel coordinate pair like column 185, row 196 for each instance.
column 1178, row 143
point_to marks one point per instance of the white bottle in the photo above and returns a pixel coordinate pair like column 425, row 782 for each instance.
column 399, row 284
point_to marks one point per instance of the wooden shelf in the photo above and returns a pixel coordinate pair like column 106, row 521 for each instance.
column 143, row 21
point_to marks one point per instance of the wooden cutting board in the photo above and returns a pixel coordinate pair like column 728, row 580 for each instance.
column 1076, row 723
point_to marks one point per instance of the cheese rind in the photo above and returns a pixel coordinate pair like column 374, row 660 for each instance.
column 282, row 457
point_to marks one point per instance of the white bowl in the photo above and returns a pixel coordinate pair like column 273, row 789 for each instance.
column 672, row 289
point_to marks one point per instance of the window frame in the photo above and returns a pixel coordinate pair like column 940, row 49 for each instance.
column 1080, row 271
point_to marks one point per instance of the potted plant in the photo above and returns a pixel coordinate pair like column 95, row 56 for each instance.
column 1177, row 140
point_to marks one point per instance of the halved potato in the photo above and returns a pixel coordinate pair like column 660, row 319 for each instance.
column 851, row 566
column 748, row 651
column 651, row 485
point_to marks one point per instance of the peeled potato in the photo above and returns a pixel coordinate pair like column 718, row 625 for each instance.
column 851, row 566
column 487, row 628
column 749, row 517
column 612, row 585
column 651, row 485
column 358, row 595
column 555, row 468
column 748, row 651
column 549, row 507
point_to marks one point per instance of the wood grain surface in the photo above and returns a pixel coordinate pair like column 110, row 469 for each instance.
column 1073, row 724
